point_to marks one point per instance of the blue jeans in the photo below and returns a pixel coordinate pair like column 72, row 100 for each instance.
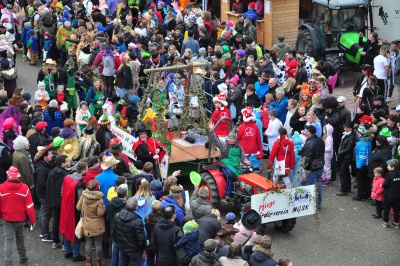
column 115, row 255
column 131, row 259
column 75, row 247
column 314, row 178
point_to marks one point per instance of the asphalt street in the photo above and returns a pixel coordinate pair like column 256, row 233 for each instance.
column 341, row 233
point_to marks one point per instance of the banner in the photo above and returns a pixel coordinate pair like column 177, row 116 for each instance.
column 284, row 204
column 127, row 141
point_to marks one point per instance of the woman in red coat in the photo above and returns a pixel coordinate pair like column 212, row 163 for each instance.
column 221, row 111
column 283, row 149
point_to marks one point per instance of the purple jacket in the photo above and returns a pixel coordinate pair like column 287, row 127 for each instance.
column 68, row 133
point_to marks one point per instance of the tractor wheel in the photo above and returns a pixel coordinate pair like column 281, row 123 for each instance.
column 334, row 60
column 287, row 225
column 304, row 42
column 208, row 180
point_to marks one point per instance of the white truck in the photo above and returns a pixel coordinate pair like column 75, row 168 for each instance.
column 386, row 19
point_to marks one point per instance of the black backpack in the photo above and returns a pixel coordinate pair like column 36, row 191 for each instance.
column 6, row 161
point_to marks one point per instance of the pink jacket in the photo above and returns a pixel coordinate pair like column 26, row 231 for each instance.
column 244, row 234
column 377, row 189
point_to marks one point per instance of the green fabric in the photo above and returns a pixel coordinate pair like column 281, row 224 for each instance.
column 233, row 161
column 94, row 106
column 49, row 79
column 82, row 127
column 71, row 100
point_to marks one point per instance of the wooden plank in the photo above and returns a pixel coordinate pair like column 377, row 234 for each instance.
column 179, row 155
column 197, row 151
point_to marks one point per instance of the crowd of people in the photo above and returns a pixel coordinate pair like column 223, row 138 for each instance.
column 58, row 149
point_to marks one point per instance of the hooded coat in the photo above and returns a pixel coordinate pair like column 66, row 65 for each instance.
column 200, row 207
column 363, row 150
column 92, row 207
column 283, row 149
column 115, row 206
column 379, row 157
column 150, row 221
column 205, row 259
column 262, row 257
column 249, row 138
column 54, row 185
column 209, row 226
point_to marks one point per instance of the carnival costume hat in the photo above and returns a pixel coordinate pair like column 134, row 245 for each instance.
column 141, row 129
column 8, row 123
column 58, row 141
column 248, row 114
column 104, row 122
column 41, row 150
column 362, row 130
column 115, row 148
column 13, row 173
column 70, row 148
column 251, row 220
column 228, row 230
column 222, row 88
column 108, row 161
column 221, row 98
column 385, row 132
column 366, row 119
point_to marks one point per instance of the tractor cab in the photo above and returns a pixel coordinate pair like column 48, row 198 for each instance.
column 320, row 35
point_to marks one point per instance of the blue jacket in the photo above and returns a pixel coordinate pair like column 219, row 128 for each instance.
column 280, row 107
column 47, row 44
column 252, row 15
column 120, row 47
column 34, row 46
column 107, row 180
column 90, row 95
column 261, row 90
column 191, row 242
column 192, row 44
column 363, row 150
column 168, row 201
column 144, row 207
column 57, row 122
column 25, row 35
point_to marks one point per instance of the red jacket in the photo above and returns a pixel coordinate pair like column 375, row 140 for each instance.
column 377, row 189
column 68, row 203
column 223, row 127
column 278, row 153
column 209, row 25
column 16, row 202
column 264, row 116
column 249, row 138
column 291, row 68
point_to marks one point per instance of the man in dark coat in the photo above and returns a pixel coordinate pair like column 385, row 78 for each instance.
column 345, row 155
column 52, row 202
column 209, row 226
column 313, row 155
column 163, row 235
column 370, row 48
column 198, row 203
column 129, row 235
column 39, row 138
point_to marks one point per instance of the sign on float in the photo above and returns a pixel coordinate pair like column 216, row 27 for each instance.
column 285, row 203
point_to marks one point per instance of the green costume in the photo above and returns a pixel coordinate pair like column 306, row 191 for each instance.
column 71, row 99
column 50, row 85
column 94, row 108
column 233, row 160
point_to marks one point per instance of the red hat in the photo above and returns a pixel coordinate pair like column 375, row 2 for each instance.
column 95, row 8
column 366, row 119
column 41, row 125
column 221, row 98
column 114, row 140
column 248, row 114
column 9, row 123
column 13, row 173
column 252, row 5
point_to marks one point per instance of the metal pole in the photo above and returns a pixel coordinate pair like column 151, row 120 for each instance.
column 175, row 67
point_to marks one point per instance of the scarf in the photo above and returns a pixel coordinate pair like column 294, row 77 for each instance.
column 155, row 64
column 30, row 161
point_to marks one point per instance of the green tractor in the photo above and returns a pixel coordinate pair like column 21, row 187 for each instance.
column 333, row 31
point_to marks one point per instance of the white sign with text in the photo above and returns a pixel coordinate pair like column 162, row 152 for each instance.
column 285, row 204
column 127, row 141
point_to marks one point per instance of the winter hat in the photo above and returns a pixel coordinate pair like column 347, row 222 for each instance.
column 27, row 25
column 230, row 218
column 202, row 50
column 9, row 123
column 40, row 83
column 248, row 114
column 221, row 98
column 135, row 99
column 252, row 5
column 55, row 131
column 234, row 79
column 229, row 24
column 222, row 88
column 225, row 49
column 13, row 173
column 190, row 226
column 232, row 134
column 104, row 122
column 366, row 119
column 31, row 10
column 362, row 130
column 385, row 132
column 241, row 53
column 5, row 63
column 100, row 28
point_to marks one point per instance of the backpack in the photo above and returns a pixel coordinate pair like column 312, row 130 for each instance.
column 47, row 21
column 108, row 64
column 261, row 51
column 6, row 160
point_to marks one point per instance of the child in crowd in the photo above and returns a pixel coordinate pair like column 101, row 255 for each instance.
column 41, row 95
column 377, row 191
column 32, row 45
column 46, row 46
column 190, row 240
column 392, row 195
column 157, row 190
column 60, row 97
column 112, row 191
column 326, row 175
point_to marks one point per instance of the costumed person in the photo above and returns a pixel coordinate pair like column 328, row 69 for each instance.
column 82, row 117
column 71, row 95
column 95, row 98
column 107, row 111
column 9, row 134
column 148, row 149
column 360, row 85
column 298, row 172
column 123, row 83
column 249, row 138
column 48, row 75
column 232, row 155
column 41, row 95
column 88, row 145
column 174, row 113
column 273, row 127
column 221, row 111
column 329, row 152
column 104, row 134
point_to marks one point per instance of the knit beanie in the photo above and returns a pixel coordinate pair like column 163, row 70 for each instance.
column 190, row 226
